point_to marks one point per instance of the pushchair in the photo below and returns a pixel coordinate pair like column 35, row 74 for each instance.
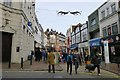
column 89, row 66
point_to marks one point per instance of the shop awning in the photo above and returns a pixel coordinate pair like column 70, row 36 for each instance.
column 74, row 46
column 95, row 42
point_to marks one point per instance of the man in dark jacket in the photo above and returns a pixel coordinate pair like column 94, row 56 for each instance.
column 69, row 62
column 96, row 60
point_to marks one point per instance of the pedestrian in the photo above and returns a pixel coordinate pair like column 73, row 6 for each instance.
column 96, row 60
column 37, row 54
column 69, row 62
column 51, row 62
column 44, row 55
column 76, row 60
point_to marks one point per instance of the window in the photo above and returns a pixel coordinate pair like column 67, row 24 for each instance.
column 77, row 37
column 103, row 14
column 114, row 28
column 113, row 8
column 104, row 32
column 25, row 1
column 73, row 39
column 77, row 29
column 93, row 22
column 107, row 11
column 36, row 30
column 7, row 3
column 109, row 30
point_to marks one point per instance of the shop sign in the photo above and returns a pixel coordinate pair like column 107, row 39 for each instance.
column 95, row 42
column 111, row 39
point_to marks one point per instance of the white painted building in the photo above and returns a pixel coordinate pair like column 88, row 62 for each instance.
column 37, row 34
column 18, row 37
column 46, row 41
column 109, row 22
column 109, row 18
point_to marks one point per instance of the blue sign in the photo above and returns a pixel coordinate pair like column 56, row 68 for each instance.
column 29, row 23
column 74, row 46
column 95, row 42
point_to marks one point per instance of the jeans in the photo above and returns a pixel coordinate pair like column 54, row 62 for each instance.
column 69, row 64
column 76, row 66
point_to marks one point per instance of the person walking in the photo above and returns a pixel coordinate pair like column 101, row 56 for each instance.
column 44, row 55
column 51, row 62
column 76, row 60
column 69, row 62
column 96, row 60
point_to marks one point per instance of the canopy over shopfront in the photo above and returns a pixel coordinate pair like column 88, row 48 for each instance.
column 74, row 46
column 95, row 42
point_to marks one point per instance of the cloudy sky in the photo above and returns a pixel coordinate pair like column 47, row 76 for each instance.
column 46, row 11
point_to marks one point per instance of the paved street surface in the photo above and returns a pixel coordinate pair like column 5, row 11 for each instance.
column 58, row 74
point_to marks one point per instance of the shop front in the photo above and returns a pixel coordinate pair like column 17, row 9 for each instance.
column 83, row 49
column 95, row 46
column 113, row 50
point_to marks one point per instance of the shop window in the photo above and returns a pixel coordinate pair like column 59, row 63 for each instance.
column 114, row 28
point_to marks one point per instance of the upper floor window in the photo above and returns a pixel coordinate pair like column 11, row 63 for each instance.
column 104, row 31
column 113, row 8
column 7, row 3
column 114, row 28
column 103, row 14
column 73, row 33
column 93, row 22
column 77, row 29
column 107, row 11
column 36, row 30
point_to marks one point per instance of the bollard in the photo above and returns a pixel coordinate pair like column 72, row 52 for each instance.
column 22, row 63
column 31, row 59
column 9, row 65
column 31, row 56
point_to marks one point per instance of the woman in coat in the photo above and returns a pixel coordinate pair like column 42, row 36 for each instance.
column 51, row 62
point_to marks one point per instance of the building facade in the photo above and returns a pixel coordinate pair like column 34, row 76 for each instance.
column 94, row 33
column 84, row 45
column 68, row 39
column 17, row 29
column 110, row 30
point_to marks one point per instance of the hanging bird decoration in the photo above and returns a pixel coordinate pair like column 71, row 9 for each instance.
column 75, row 13
column 62, row 13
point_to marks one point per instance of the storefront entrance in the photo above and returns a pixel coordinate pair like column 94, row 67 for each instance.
column 6, row 46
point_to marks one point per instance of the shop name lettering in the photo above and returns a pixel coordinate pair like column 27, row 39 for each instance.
column 93, row 44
